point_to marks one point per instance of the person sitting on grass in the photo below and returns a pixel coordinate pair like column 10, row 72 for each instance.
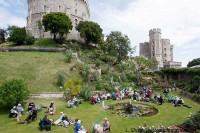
column 75, row 102
column 65, row 121
column 106, row 125
column 52, row 109
column 77, row 126
column 31, row 105
column 13, row 112
column 82, row 130
column 32, row 115
column 93, row 100
column 57, row 122
column 45, row 123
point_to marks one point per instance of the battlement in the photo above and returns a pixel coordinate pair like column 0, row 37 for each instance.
column 155, row 30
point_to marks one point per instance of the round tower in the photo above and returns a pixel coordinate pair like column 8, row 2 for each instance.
column 77, row 10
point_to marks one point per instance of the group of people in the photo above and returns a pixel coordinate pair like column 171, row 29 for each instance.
column 16, row 111
column 73, row 103
column 105, row 127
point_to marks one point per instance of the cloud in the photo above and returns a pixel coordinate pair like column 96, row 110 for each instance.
column 178, row 20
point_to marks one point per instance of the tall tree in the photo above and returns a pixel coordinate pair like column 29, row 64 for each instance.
column 118, row 45
column 194, row 62
column 90, row 31
column 57, row 23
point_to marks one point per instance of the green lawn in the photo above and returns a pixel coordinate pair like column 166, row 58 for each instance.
column 38, row 70
column 168, row 115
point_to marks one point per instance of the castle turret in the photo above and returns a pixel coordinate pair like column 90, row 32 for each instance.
column 77, row 10
column 156, row 45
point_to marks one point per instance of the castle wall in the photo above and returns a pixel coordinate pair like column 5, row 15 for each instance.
column 145, row 50
column 77, row 10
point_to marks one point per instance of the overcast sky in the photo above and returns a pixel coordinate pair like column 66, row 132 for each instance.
column 179, row 21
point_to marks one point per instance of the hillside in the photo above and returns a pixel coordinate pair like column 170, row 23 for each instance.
column 38, row 70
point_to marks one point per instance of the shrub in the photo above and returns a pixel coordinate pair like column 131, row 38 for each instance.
column 61, row 78
column 19, row 36
column 13, row 92
column 73, row 86
column 29, row 40
column 86, row 93
column 193, row 122
column 68, row 56
column 129, row 108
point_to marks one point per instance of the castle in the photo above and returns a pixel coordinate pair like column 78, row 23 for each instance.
column 77, row 10
column 159, row 49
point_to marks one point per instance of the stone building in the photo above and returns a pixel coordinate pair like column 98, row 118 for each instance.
column 77, row 10
column 159, row 49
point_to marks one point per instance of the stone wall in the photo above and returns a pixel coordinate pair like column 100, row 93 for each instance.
column 77, row 10
column 47, row 95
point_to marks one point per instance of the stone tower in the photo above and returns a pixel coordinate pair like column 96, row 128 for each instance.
column 156, row 45
column 159, row 49
column 77, row 10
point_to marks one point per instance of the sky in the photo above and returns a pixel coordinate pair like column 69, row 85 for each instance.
column 179, row 21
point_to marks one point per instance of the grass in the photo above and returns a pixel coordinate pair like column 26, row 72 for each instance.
column 38, row 70
column 168, row 115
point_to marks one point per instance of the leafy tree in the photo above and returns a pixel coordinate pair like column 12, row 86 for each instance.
column 57, row 23
column 13, row 92
column 73, row 86
column 194, row 62
column 118, row 45
column 19, row 36
column 90, row 31
column 3, row 35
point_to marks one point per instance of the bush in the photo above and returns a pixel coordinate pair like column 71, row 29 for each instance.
column 29, row 40
column 61, row 78
column 129, row 108
column 193, row 122
column 68, row 56
column 13, row 92
column 73, row 86
column 86, row 93
column 19, row 36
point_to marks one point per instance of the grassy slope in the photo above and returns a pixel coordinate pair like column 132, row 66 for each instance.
column 39, row 70
column 168, row 115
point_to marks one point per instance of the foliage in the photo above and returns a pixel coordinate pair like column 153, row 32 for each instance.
column 84, row 72
column 129, row 108
column 61, row 78
column 18, row 35
column 194, row 62
column 174, row 71
column 118, row 45
column 193, row 121
column 57, row 23
column 86, row 92
column 90, row 31
column 100, row 85
column 73, row 86
column 29, row 40
column 46, row 43
column 13, row 92
column 3, row 35
column 68, row 56
column 112, row 107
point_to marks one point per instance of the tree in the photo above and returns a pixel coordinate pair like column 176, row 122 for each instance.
column 118, row 45
column 194, row 62
column 3, row 35
column 13, row 92
column 19, row 36
column 90, row 31
column 57, row 23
